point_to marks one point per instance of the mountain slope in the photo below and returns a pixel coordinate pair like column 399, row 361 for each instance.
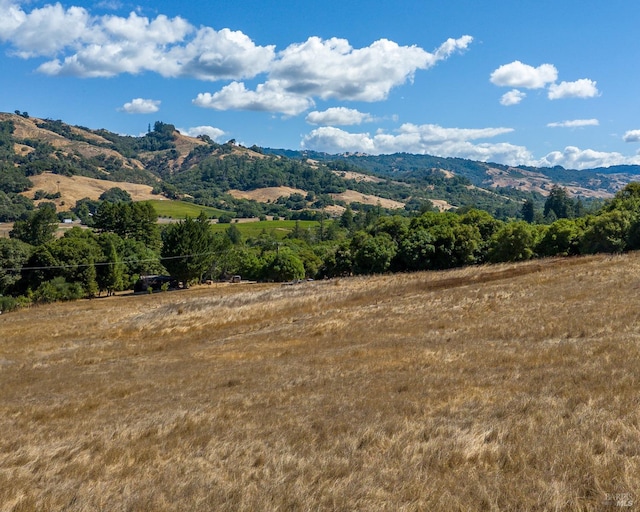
column 229, row 176
column 597, row 183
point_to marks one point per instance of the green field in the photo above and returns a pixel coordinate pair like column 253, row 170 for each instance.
column 279, row 228
column 182, row 209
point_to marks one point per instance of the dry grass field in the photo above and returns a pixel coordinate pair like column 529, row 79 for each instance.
column 511, row 387
column 74, row 188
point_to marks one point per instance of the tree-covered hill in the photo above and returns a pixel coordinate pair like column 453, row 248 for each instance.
column 205, row 172
column 600, row 182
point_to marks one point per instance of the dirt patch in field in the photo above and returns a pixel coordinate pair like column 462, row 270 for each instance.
column 263, row 195
column 351, row 196
column 73, row 188
column 441, row 204
column 359, row 177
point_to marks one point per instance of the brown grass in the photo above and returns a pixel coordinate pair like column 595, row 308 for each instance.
column 351, row 196
column 513, row 387
column 74, row 188
column 263, row 195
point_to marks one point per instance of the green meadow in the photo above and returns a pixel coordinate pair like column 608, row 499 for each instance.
column 278, row 228
column 182, row 209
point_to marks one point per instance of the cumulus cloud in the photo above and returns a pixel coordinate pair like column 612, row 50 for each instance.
column 213, row 55
column 583, row 88
column 338, row 116
column 575, row 123
column 141, row 106
column 330, row 69
column 512, row 97
column 216, row 134
column 517, row 74
column 44, row 31
column 78, row 43
column 632, row 136
column 101, row 46
column 575, row 158
column 268, row 97
column 334, row 69
column 422, row 139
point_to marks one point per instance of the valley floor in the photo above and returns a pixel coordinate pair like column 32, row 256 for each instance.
column 509, row 387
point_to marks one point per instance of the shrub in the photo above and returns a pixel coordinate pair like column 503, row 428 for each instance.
column 58, row 289
column 8, row 304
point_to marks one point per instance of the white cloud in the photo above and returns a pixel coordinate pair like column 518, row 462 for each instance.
column 517, row 74
column 338, row 116
column 512, row 97
column 334, row 69
column 225, row 54
column 576, row 158
column 421, row 139
column 457, row 142
column 632, row 136
column 268, row 97
column 141, row 106
column 102, row 46
column 330, row 69
column 216, row 134
column 575, row 123
column 43, row 31
column 81, row 44
column 583, row 88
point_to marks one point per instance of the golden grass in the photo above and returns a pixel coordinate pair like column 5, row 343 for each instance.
column 352, row 196
column 266, row 194
column 512, row 387
column 74, row 188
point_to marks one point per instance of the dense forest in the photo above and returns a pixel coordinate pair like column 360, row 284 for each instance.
column 121, row 240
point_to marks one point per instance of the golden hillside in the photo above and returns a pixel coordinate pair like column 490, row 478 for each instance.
column 73, row 188
column 511, row 387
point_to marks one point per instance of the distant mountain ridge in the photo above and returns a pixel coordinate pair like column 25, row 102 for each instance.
column 230, row 177
column 601, row 182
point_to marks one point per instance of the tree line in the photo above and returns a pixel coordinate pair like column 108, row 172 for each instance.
column 126, row 242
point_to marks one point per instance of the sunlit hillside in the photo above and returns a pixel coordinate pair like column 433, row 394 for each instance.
column 509, row 387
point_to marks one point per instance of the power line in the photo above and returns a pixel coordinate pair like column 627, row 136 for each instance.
column 105, row 263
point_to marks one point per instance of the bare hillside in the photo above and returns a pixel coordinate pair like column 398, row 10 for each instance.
column 512, row 387
column 73, row 188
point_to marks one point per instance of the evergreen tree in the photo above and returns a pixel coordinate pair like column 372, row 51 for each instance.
column 528, row 211
column 187, row 249
column 560, row 204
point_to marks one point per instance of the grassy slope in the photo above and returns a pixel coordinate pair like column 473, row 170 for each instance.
column 279, row 228
column 512, row 387
column 182, row 209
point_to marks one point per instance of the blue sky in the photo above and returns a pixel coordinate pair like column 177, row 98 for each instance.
column 522, row 83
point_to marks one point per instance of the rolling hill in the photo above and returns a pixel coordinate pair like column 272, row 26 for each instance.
column 76, row 162
column 508, row 387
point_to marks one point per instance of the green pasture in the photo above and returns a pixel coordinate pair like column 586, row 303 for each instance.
column 182, row 209
column 279, row 228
